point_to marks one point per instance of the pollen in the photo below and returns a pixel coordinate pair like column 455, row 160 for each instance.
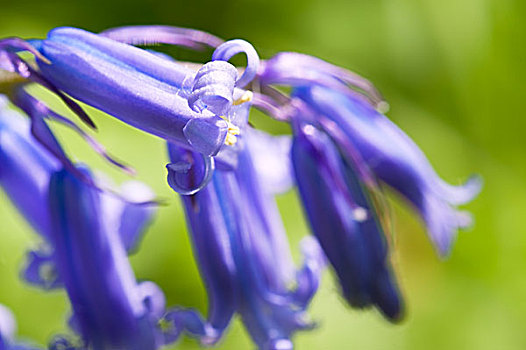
column 247, row 97
column 231, row 136
column 231, row 133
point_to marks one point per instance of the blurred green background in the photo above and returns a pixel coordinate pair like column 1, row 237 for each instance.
column 453, row 72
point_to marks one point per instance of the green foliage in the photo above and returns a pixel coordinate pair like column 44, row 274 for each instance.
column 453, row 72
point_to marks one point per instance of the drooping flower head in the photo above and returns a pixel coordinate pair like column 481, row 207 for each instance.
column 110, row 309
column 87, row 234
column 343, row 218
column 243, row 254
column 396, row 160
column 342, row 148
column 144, row 89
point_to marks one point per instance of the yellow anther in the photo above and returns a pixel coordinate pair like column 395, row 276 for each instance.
column 230, row 140
column 231, row 134
column 247, row 97
column 234, row 130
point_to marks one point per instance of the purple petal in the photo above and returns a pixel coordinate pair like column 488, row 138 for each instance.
column 271, row 157
column 244, row 258
column 206, row 135
column 295, row 69
column 309, row 277
column 131, row 209
column 355, row 245
column 153, row 298
column 191, row 322
column 25, row 168
column 159, row 34
column 211, row 245
column 396, row 160
column 213, row 88
column 131, row 84
column 11, row 62
column 188, row 177
column 231, row 48
column 108, row 305
column 39, row 110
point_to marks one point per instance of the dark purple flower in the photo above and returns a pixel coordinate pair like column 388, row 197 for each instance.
column 344, row 106
column 87, row 233
column 110, row 308
column 25, row 171
column 343, row 150
column 396, row 160
column 343, row 217
column 243, row 255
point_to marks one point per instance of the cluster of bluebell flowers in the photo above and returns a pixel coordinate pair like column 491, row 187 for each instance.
column 340, row 155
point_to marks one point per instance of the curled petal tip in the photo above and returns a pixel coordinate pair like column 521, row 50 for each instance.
column 153, row 298
column 181, row 176
column 444, row 236
column 470, row 189
column 213, row 88
column 206, row 136
column 231, row 48
column 178, row 320
column 461, row 194
column 41, row 270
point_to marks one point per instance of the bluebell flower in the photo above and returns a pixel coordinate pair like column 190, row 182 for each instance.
column 343, row 217
column 25, row 170
column 154, row 94
column 226, row 159
column 344, row 150
column 347, row 108
column 111, row 310
column 397, row 161
column 87, row 233
column 243, row 254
